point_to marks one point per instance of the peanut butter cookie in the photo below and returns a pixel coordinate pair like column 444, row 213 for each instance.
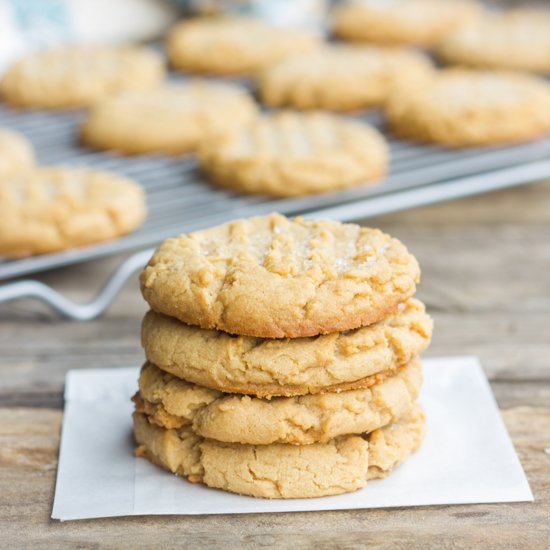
column 422, row 22
column 289, row 154
column 53, row 209
column 515, row 40
column 78, row 76
column 172, row 119
column 462, row 108
column 273, row 277
column 341, row 78
column 280, row 470
column 243, row 364
column 170, row 402
column 233, row 45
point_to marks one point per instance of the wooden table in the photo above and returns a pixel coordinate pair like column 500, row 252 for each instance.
column 486, row 281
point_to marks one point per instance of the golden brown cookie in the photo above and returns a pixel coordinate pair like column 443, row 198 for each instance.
column 274, row 277
column 233, row 45
column 281, row 470
column 170, row 402
column 78, row 76
column 297, row 366
column 171, row 119
column 422, row 22
column 289, row 154
column 516, row 40
column 463, row 108
column 16, row 154
column 53, row 209
column 272, row 390
column 342, row 78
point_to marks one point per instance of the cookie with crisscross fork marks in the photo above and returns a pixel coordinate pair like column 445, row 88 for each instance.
column 290, row 154
column 341, row 78
column 171, row 119
column 516, row 39
column 273, row 277
column 78, row 76
column 56, row 208
column 461, row 107
column 233, row 45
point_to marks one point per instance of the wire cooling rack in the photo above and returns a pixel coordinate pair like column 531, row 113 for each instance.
column 180, row 198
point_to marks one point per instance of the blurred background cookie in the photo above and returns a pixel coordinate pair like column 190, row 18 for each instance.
column 518, row 39
column 16, row 154
column 340, row 77
column 233, row 45
column 461, row 108
column 78, row 76
column 288, row 154
column 422, row 22
column 57, row 208
column 171, row 119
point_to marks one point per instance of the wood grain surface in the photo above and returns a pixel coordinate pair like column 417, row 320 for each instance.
column 486, row 282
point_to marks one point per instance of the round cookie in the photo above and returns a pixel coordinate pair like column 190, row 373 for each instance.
column 78, row 76
column 341, row 78
column 16, row 154
column 243, row 364
column 516, row 40
column 422, row 22
column 53, row 209
column 280, row 470
column 172, row 119
column 291, row 391
column 274, row 277
column 464, row 108
column 290, row 154
column 233, row 45
column 173, row 403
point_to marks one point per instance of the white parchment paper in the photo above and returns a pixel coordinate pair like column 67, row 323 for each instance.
column 467, row 456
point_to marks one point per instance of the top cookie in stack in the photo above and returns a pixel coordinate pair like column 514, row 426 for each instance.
column 294, row 372
column 272, row 277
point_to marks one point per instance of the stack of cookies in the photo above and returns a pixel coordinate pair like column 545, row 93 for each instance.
column 281, row 357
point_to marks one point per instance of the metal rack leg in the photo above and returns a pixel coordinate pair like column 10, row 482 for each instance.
column 68, row 308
